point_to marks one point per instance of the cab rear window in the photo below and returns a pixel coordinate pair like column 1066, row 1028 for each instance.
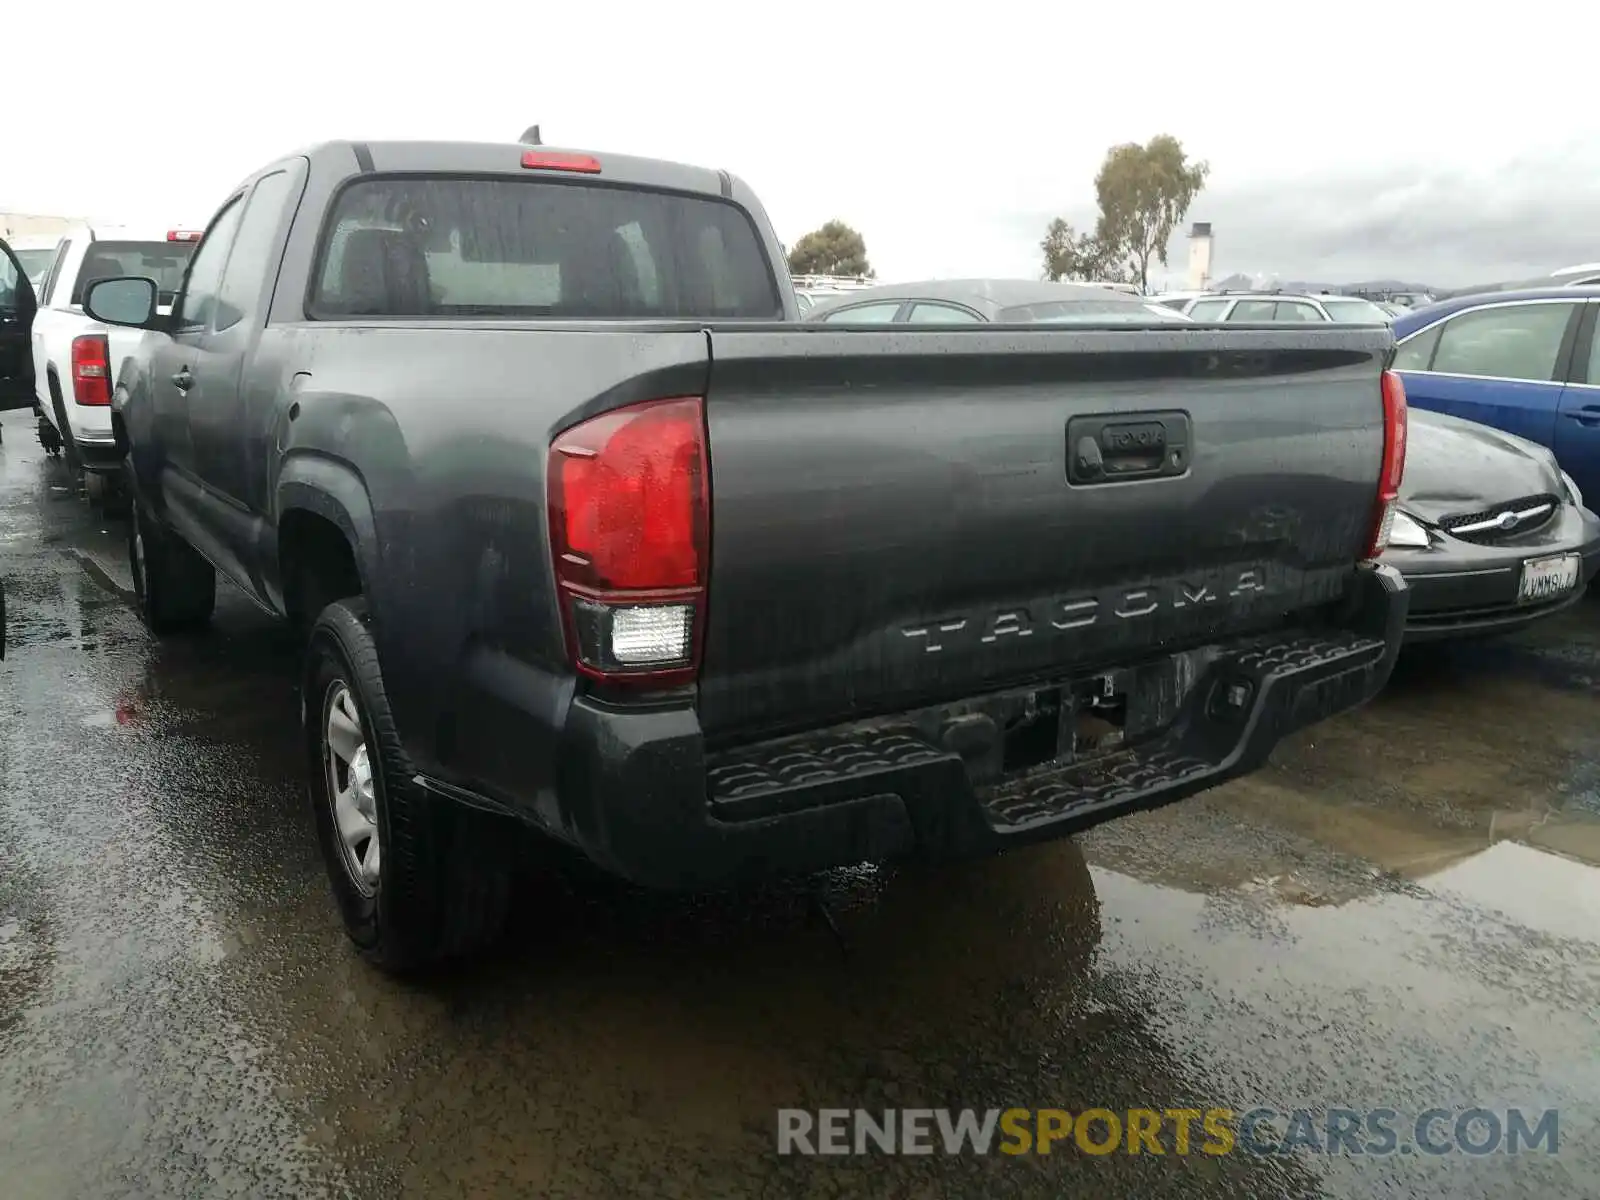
column 165, row 262
column 514, row 248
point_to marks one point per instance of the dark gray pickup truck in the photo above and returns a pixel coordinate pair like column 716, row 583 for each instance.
column 589, row 532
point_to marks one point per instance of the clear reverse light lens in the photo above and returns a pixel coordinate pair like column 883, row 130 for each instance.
column 648, row 636
column 1572, row 489
column 1406, row 532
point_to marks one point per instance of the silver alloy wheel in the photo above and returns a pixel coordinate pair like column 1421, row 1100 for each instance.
column 350, row 787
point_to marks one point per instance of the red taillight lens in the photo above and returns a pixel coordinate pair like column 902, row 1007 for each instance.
column 542, row 160
column 184, row 235
column 629, row 532
column 91, row 370
column 1393, row 468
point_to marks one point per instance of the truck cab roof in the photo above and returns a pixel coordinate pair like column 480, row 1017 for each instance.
column 512, row 158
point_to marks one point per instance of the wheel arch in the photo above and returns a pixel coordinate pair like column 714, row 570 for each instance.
column 324, row 526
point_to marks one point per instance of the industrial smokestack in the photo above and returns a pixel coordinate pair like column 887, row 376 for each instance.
column 1200, row 256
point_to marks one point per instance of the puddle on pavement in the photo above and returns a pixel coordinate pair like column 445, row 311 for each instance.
column 1542, row 891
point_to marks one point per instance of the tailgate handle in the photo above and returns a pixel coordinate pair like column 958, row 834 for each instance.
column 1117, row 447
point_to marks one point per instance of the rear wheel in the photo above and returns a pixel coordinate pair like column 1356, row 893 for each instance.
column 174, row 586
column 418, row 879
column 115, row 499
column 48, row 437
column 69, row 448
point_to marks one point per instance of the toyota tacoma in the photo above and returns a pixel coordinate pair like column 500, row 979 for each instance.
column 588, row 532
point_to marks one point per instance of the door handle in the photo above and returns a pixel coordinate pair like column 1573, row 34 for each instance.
column 183, row 381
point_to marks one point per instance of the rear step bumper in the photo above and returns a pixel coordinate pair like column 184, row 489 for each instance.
column 640, row 796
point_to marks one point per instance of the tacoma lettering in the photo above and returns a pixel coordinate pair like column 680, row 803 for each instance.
column 1079, row 612
column 933, row 635
column 1013, row 623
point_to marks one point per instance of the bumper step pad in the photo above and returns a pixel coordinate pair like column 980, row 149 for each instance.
column 1291, row 681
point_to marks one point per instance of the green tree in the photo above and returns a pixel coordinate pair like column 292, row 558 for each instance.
column 835, row 249
column 1069, row 254
column 1144, row 193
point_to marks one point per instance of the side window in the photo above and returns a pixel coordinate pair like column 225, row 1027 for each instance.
column 1294, row 310
column 1207, row 310
column 199, row 299
column 942, row 314
column 1254, row 310
column 240, row 291
column 1417, row 353
column 52, row 277
column 865, row 314
column 1515, row 342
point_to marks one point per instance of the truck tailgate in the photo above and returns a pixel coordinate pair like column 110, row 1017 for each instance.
column 895, row 521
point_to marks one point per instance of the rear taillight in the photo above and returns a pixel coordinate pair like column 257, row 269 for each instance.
column 629, row 535
column 1394, row 462
column 184, row 235
column 91, row 370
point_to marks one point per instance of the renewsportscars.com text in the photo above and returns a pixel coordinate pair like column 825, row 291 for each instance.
column 1181, row 1131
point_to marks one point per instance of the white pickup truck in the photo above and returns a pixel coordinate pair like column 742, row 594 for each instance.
column 74, row 355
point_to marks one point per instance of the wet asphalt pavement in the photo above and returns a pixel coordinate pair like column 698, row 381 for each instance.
column 1403, row 911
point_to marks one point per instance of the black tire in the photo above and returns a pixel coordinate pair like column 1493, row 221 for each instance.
column 69, row 448
column 444, row 884
column 175, row 588
column 117, row 499
column 94, row 489
column 48, row 437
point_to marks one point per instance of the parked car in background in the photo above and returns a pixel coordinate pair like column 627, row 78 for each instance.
column 1527, row 362
column 36, row 253
column 588, row 531
column 1581, row 275
column 970, row 301
column 807, row 300
column 72, row 353
column 1273, row 307
column 1489, row 532
column 1178, row 300
column 810, row 290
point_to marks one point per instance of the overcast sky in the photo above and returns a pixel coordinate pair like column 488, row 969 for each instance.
column 1443, row 144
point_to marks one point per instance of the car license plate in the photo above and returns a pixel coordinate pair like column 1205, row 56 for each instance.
column 1546, row 578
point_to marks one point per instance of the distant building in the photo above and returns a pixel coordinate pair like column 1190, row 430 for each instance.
column 1200, row 256
column 32, row 224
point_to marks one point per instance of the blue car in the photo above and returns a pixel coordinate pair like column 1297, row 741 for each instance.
column 1527, row 362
